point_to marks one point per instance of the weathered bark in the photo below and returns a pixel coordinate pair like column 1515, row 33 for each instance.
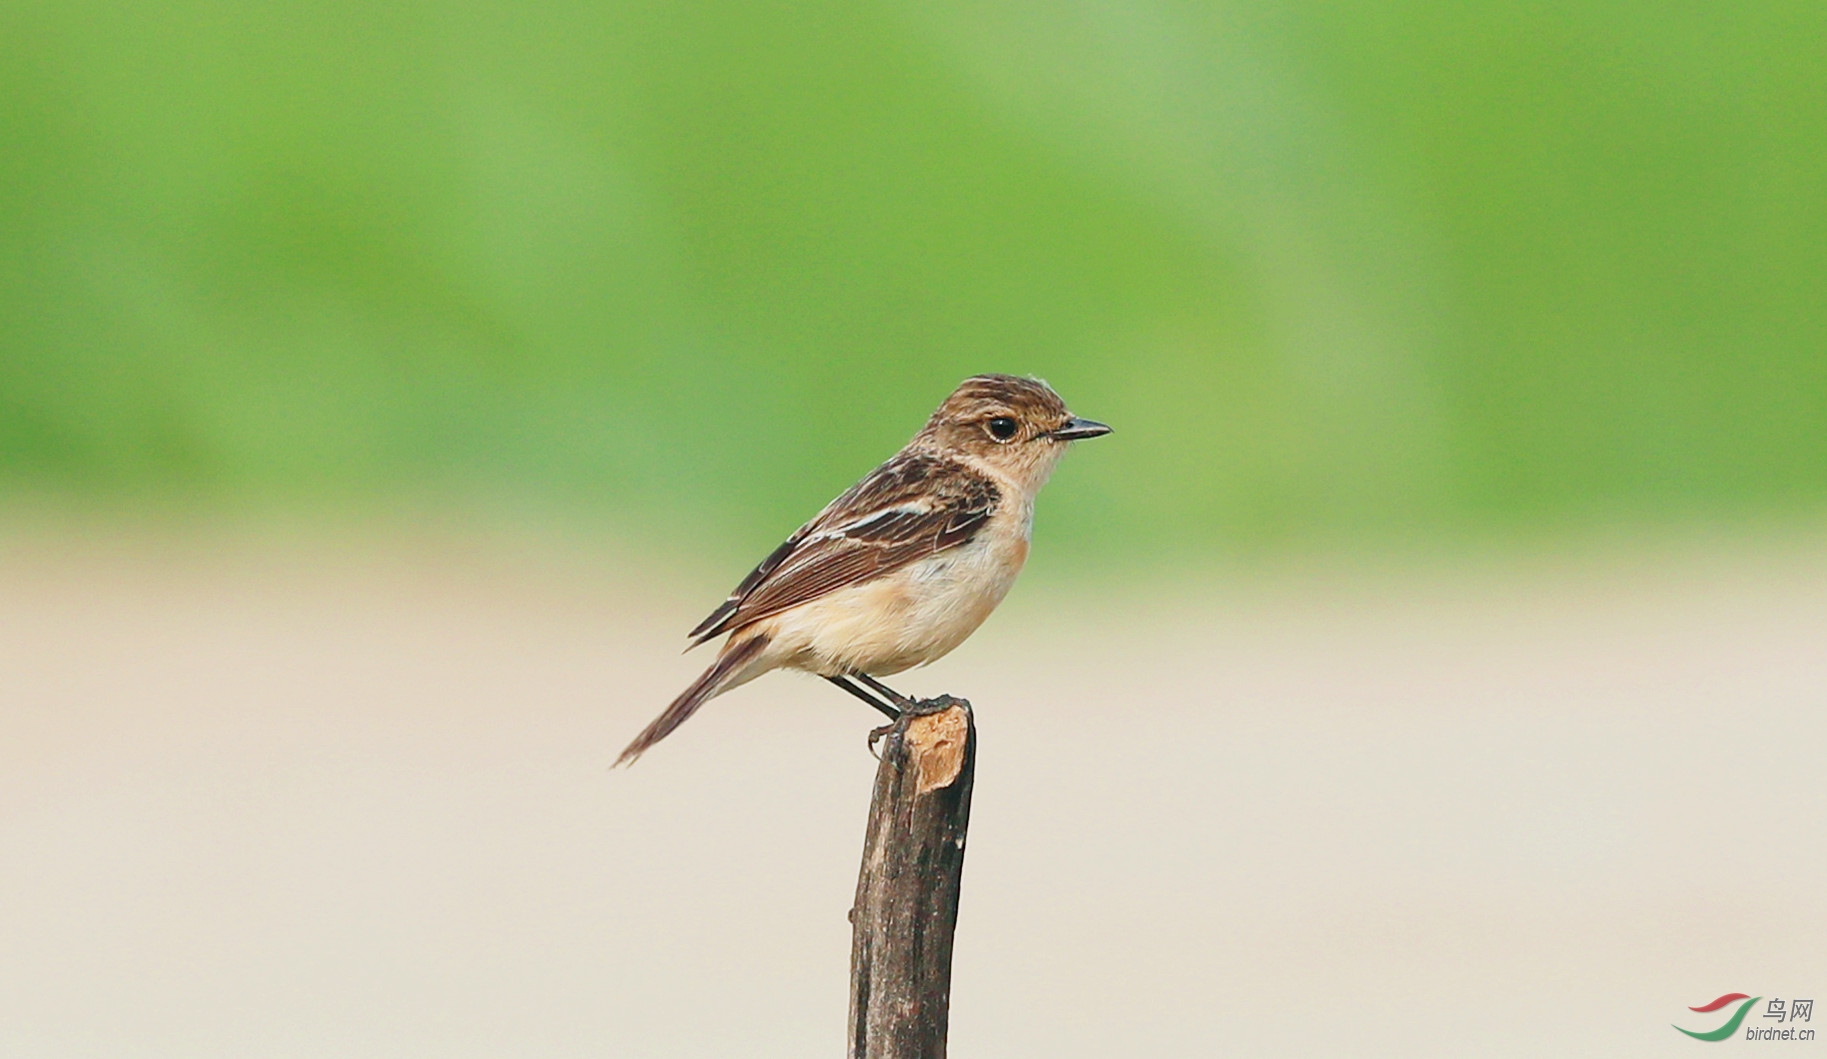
column 907, row 893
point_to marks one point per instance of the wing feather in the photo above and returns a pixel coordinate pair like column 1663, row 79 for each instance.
column 912, row 506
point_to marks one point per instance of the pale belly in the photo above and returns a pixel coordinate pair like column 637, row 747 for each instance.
column 909, row 618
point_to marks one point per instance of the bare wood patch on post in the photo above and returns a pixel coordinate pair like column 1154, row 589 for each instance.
column 907, row 892
column 938, row 743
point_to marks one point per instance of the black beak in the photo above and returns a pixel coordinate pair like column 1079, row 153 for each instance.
column 1077, row 429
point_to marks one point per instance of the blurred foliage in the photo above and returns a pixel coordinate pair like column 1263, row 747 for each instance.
column 1335, row 271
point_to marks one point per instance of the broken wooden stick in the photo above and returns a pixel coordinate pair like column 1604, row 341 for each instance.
column 907, row 893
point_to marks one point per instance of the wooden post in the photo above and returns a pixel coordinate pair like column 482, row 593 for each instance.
column 907, row 893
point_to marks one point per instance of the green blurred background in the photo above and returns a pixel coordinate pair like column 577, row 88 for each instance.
column 1342, row 274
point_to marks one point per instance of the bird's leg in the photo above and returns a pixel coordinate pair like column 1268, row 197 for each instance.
column 901, row 702
column 888, row 711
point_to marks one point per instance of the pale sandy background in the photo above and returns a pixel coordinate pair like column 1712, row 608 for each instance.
column 294, row 799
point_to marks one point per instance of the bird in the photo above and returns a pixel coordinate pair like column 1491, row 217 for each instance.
column 904, row 565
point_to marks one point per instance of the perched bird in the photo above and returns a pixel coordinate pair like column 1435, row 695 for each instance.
column 904, row 565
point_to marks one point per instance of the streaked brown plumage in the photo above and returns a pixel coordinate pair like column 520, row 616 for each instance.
column 905, row 564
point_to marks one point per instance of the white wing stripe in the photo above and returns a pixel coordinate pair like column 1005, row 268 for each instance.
column 916, row 507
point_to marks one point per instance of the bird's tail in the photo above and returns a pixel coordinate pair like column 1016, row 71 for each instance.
column 728, row 666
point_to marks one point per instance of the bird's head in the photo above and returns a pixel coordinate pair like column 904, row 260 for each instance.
column 1017, row 426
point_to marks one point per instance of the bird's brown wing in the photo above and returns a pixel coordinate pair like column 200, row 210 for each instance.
column 912, row 506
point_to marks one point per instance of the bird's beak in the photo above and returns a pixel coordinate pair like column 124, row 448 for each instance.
column 1077, row 429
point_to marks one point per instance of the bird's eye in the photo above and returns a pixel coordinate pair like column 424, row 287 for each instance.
column 1002, row 428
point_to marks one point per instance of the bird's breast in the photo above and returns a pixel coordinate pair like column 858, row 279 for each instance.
column 912, row 616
